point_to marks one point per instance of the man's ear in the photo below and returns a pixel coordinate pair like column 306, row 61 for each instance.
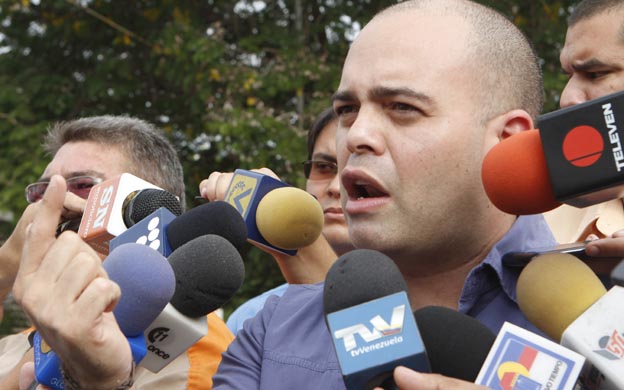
column 514, row 122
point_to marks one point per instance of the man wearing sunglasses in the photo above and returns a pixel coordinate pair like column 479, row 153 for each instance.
column 84, row 153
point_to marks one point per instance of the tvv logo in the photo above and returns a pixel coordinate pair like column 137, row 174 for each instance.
column 380, row 329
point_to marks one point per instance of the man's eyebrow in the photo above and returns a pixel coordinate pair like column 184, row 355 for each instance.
column 88, row 172
column 324, row 157
column 384, row 92
column 587, row 65
column 343, row 95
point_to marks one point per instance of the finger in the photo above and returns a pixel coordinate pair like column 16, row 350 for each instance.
column 407, row 379
column 73, row 206
column 606, row 247
column 266, row 171
column 619, row 233
column 76, row 276
column 222, row 185
column 208, row 186
column 40, row 235
column 59, row 256
column 27, row 376
column 100, row 296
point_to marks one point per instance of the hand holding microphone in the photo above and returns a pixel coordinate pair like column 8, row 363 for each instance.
column 147, row 283
column 278, row 217
column 462, row 351
column 312, row 261
column 65, row 291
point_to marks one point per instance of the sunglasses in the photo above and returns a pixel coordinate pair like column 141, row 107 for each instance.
column 79, row 185
column 320, row 169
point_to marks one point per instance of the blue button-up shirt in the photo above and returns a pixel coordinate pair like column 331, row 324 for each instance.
column 287, row 345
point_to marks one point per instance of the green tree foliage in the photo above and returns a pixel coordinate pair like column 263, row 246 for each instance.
column 234, row 84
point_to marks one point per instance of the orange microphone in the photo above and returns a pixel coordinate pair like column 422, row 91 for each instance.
column 575, row 157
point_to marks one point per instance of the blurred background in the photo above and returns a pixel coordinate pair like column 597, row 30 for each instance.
column 234, row 84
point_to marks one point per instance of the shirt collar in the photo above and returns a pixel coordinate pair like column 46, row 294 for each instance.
column 527, row 233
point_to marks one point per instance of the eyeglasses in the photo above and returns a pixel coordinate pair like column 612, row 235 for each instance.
column 320, row 169
column 79, row 185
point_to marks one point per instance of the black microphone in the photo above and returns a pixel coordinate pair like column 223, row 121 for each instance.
column 208, row 272
column 365, row 304
column 220, row 218
column 459, row 346
column 456, row 344
column 141, row 203
column 201, row 247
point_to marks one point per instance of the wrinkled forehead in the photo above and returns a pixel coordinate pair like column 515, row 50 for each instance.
column 592, row 33
column 411, row 45
column 86, row 157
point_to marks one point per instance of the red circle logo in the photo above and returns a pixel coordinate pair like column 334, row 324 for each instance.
column 583, row 146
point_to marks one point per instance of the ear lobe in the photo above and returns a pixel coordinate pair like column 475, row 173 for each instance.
column 514, row 122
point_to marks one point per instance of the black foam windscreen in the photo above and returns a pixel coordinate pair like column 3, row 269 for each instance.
column 142, row 203
column 359, row 276
column 219, row 218
column 208, row 272
column 456, row 344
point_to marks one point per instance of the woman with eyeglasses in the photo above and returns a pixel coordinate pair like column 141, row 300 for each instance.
column 311, row 263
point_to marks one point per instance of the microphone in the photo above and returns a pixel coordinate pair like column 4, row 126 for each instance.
column 147, row 283
column 456, row 344
column 365, row 301
column 563, row 297
column 575, row 158
column 139, row 204
column 118, row 201
column 208, row 271
column 164, row 232
column 459, row 346
column 278, row 216
column 150, row 231
column 520, row 359
column 218, row 218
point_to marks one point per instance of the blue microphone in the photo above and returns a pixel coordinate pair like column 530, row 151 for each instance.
column 150, row 231
column 370, row 320
column 147, row 284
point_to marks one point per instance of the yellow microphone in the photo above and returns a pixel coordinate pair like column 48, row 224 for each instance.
column 563, row 297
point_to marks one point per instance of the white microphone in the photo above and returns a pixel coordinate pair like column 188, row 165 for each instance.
column 109, row 209
column 564, row 298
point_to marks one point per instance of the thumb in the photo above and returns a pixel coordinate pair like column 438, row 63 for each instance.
column 27, row 376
